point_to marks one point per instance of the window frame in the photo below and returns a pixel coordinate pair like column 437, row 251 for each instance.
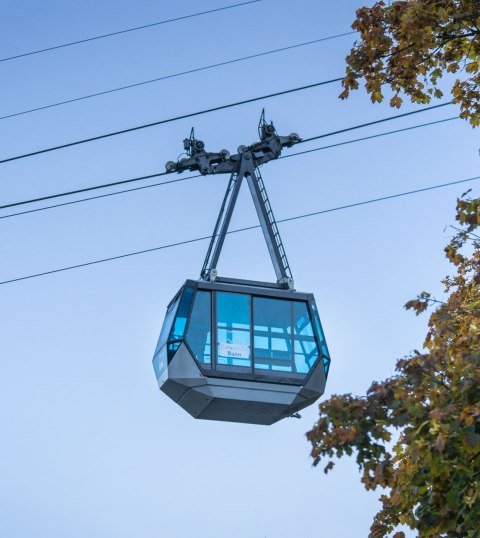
column 208, row 367
column 239, row 372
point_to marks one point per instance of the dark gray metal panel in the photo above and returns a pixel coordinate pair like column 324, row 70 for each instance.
column 173, row 389
column 256, row 394
column 226, row 399
column 244, row 411
column 254, row 385
column 194, row 402
column 252, row 287
column 315, row 384
column 183, row 368
column 181, row 374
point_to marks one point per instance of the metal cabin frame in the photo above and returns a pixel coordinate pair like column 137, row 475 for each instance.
column 211, row 393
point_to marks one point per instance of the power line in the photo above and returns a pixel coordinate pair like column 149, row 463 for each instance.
column 170, row 120
column 204, row 238
column 127, row 30
column 338, row 144
column 174, row 75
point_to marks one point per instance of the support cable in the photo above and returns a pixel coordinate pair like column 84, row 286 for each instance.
column 126, row 30
column 238, row 230
column 174, row 75
column 231, row 105
column 169, row 120
column 87, row 189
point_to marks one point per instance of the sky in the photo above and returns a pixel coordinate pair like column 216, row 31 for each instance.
column 90, row 446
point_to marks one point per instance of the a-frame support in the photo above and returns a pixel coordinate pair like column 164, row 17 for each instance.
column 244, row 165
column 247, row 170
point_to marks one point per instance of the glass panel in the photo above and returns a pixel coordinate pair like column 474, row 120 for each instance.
column 160, row 362
column 233, row 330
column 233, row 310
column 317, row 324
column 272, row 334
column 167, row 325
column 325, row 353
column 326, row 366
column 182, row 315
column 306, row 349
column 200, row 328
column 172, row 348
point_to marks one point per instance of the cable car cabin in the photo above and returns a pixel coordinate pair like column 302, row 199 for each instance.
column 241, row 352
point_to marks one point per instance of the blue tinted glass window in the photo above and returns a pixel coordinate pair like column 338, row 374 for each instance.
column 305, row 347
column 272, row 334
column 324, row 348
column 326, row 366
column 318, row 325
column 167, row 325
column 180, row 322
column 200, row 328
column 233, row 330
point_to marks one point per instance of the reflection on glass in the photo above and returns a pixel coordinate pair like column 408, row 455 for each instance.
column 233, row 330
column 167, row 325
column 272, row 334
column 182, row 315
column 325, row 353
column 160, row 362
column 199, row 328
column 306, row 350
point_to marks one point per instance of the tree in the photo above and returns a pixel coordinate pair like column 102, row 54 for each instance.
column 417, row 434
column 408, row 45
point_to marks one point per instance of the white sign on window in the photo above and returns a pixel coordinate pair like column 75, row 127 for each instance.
column 236, row 351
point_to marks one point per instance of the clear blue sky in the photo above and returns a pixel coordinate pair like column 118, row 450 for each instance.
column 90, row 447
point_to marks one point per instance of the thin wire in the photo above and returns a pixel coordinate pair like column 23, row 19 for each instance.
column 338, row 144
column 53, row 196
column 170, row 120
column 238, row 230
column 127, row 30
column 376, row 122
column 192, row 177
column 99, row 196
column 181, row 73
column 87, row 189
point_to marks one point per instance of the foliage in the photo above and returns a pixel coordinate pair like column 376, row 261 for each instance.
column 409, row 45
column 417, row 434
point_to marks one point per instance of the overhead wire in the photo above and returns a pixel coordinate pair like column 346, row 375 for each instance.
column 90, row 198
column 174, row 75
column 370, row 137
column 376, row 122
column 223, row 107
column 127, row 30
column 87, row 189
column 170, row 120
column 160, row 184
column 238, row 230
